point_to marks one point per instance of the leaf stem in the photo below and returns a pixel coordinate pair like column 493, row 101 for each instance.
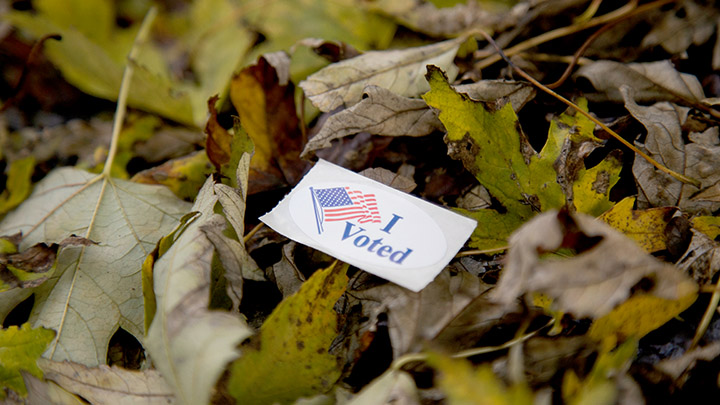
column 409, row 358
column 125, row 88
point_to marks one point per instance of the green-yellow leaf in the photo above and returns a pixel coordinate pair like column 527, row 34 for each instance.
column 184, row 175
column 493, row 228
column 18, row 184
column 488, row 142
column 645, row 227
column 19, row 350
column 464, row 385
column 591, row 191
column 293, row 358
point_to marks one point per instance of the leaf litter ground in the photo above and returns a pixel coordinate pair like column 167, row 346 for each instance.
column 591, row 277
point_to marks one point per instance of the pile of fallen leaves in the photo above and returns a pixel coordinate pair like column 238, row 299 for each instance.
column 133, row 268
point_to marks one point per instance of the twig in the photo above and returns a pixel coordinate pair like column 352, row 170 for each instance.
column 481, row 252
column 707, row 317
column 252, row 232
column 561, row 32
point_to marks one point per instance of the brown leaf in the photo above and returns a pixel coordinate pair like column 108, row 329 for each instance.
column 388, row 178
column 702, row 259
column 415, row 318
column 652, row 82
column 664, row 143
column 267, row 113
column 590, row 284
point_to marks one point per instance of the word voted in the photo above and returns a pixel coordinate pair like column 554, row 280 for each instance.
column 376, row 245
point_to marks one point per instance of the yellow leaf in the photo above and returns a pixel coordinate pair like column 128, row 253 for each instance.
column 710, row 226
column 465, row 385
column 638, row 316
column 18, row 184
column 645, row 227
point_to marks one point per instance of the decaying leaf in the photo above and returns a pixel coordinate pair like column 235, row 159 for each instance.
column 399, row 71
column 189, row 344
column 710, row 226
column 592, row 283
column 20, row 348
column 416, row 318
column 125, row 219
column 645, row 227
column 267, row 113
column 293, row 359
column 109, row 385
column 664, row 143
column 651, row 82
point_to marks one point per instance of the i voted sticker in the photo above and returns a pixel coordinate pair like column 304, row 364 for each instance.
column 376, row 228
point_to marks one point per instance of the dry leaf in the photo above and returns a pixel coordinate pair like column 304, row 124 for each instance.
column 594, row 281
column 689, row 23
column 416, row 318
column 109, row 385
column 665, row 143
column 702, row 259
column 190, row 344
column 400, row 71
column 388, row 178
column 393, row 387
column 380, row 112
column 652, row 81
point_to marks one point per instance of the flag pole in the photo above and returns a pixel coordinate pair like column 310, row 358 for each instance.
column 318, row 220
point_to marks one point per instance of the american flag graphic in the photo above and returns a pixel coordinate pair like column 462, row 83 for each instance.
column 342, row 204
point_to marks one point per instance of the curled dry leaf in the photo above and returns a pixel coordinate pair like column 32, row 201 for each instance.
column 382, row 112
column 400, row 71
column 593, row 282
column 689, row 23
column 665, row 143
column 109, row 385
column 190, row 344
column 652, row 81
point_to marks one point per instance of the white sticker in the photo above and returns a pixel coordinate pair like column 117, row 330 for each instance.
column 376, row 228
